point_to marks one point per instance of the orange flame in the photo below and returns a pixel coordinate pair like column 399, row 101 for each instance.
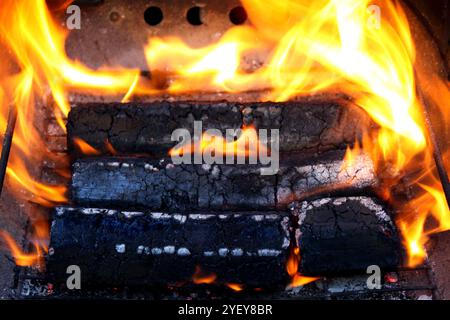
column 246, row 145
column 201, row 277
column 85, row 147
column 35, row 67
column 110, row 148
column 235, row 286
column 39, row 244
column 350, row 157
column 292, row 269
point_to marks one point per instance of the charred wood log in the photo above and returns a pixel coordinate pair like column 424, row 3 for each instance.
column 145, row 248
column 161, row 185
column 339, row 235
column 146, row 128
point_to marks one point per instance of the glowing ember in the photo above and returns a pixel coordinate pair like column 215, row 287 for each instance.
column 235, row 286
column 201, row 277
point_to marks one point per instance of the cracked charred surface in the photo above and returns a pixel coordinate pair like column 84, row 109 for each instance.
column 146, row 128
column 346, row 234
column 146, row 248
column 161, row 185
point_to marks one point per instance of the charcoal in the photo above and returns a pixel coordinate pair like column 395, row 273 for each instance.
column 146, row 128
column 162, row 185
column 346, row 234
column 123, row 248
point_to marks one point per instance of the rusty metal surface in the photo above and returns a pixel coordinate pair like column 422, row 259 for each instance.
column 115, row 32
column 439, row 259
column 435, row 15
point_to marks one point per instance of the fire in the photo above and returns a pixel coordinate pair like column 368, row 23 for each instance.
column 309, row 47
column 86, row 148
column 40, row 246
column 201, row 277
column 413, row 226
column 246, row 145
column 34, row 71
column 292, row 263
column 350, row 156
column 41, row 69
column 21, row 258
column 297, row 279
column 235, row 287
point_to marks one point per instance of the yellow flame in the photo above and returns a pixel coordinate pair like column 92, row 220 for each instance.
column 35, row 43
column 324, row 37
column 350, row 157
column 246, row 145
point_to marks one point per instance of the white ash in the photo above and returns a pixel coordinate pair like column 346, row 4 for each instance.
column 60, row 211
column 285, row 224
column 258, row 217
column 160, row 215
column 179, row 217
column 360, row 174
column 347, row 284
column 268, row 252
column 169, row 249
column 140, row 249
column 113, row 164
column 183, row 252
column 131, row 214
column 286, row 243
column 89, row 211
column 215, row 172
column 120, row 248
column 206, row 167
column 201, row 216
column 237, row 252
column 156, row 251
column 223, row 252
column 170, row 166
column 379, row 211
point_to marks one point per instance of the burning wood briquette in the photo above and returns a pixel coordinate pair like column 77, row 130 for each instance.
column 114, row 247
